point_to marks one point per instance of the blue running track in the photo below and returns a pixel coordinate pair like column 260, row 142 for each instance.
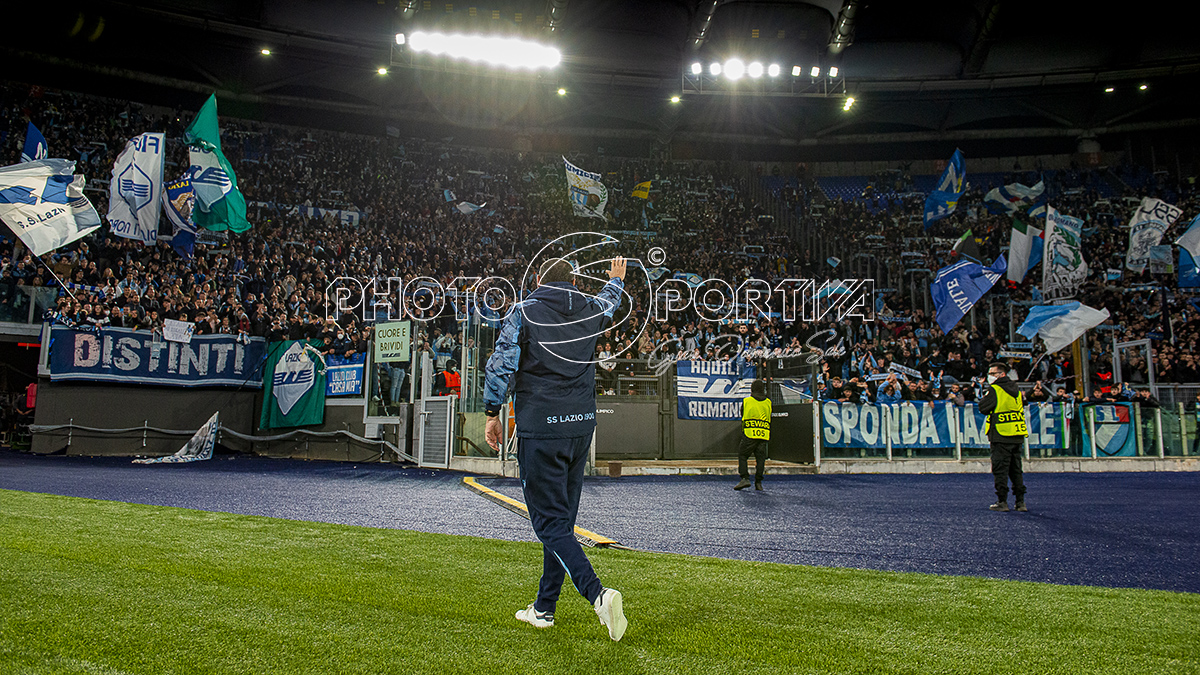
column 1139, row 530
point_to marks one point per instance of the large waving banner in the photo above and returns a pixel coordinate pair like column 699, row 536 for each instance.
column 1146, row 228
column 137, row 357
column 712, row 390
column 135, row 190
column 925, row 424
column 43, row 202
column 1063, row 267
column 588, row 195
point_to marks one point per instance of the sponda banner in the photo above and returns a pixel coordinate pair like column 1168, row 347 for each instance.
column 930, row 424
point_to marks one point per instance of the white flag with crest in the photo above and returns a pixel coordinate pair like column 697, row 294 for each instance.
column 135, row 190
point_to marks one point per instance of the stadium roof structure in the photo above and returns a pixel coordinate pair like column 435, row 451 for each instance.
column 930, row 74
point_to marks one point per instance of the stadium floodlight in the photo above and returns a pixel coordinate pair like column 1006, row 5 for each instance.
column 1144, row 87
column 849, row 103
column 264, row 51
column 815, row 72
column 1109, row 90
column 697, row 68
column 795, row 71
column 755, row 70
column 833, row 71
column 381, row 70
column 495, row 51
column 773, row 70
column 562, row 92
column 714, row 69
column 675, row 99
column 399, row 38
column 735, row 69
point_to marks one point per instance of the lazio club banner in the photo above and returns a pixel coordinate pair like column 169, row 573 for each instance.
column 344, row 376
column 126, row 356
column 293, row 385
column 935, row 424
column 712, row 390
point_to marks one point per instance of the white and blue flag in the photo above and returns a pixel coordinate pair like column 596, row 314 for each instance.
column 135, row 190
column 1013, row 197
column 197, row 449
column 958, row 287
column 587, row 194
column 1146, row 227
column 35, row 145
column 468, row 208
column 944, row 199
column 1060, row 325
column 1190, row 239
column 42, row 201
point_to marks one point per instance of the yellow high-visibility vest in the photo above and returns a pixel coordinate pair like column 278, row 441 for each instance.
column 756, row 418
column 1009, row 414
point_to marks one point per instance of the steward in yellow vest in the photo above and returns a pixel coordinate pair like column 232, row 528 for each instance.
column 1006, row 430
column 756, row 431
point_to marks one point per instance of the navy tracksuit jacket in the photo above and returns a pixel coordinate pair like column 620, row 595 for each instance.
column 545, row 354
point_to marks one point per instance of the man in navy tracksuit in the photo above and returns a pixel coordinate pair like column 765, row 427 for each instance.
column 546, row 355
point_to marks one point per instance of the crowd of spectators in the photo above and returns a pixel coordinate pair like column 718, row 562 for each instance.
column 271, row 281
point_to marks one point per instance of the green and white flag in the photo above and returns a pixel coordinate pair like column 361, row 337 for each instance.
column 293, row 385
column 1063, row 267
column 219, row 203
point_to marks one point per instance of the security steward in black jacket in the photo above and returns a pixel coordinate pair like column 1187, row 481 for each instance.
column 1005, row 410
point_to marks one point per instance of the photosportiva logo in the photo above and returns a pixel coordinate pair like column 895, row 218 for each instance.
column 650, row 289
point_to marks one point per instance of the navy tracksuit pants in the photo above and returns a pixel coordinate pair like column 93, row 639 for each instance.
column 552, row 479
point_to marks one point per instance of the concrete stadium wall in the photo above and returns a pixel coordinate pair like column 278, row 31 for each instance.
column 106, row 406
column 643, row 430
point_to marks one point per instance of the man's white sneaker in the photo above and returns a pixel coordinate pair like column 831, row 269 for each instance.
column 611, row 613
column 535, row 618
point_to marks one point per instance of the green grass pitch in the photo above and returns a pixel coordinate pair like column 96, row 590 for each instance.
column 106, row 587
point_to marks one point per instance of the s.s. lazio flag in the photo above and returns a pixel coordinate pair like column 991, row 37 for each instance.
column 468, row 208
column 135, row 190
column 1060, row 325
column 944, row 198
column 35, row 145
column 42, row 201
column 958, row 287
column 293, row 385
column 179, row 200
column 219, row 203
column 587, row 194
column 1024, row 250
